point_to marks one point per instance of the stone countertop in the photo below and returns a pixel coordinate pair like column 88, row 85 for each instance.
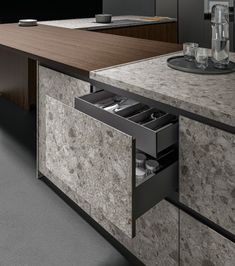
column 117, row 21
column 210, row 96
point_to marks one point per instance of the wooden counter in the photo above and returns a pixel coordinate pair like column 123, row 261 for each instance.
column 72, row 51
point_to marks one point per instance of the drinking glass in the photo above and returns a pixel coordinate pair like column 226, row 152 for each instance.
column 201, row 58
column 189, row 50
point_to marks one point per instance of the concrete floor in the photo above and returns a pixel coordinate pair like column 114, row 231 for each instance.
column 37, row 228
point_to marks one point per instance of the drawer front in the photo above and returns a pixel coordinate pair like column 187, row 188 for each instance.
column 97, row 162
column 157, row 235
column 150, row 140
column 154, row 187
column 200, row 245
column 207, row 172
column 93, row 159
column 63, row 88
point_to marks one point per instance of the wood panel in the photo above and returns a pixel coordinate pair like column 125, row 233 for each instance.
column 32, row 83
column 14, row 78
column 165, row 32
column 82, row 51
column 74, row 52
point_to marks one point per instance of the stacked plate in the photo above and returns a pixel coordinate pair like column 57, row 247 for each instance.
column 28, row 22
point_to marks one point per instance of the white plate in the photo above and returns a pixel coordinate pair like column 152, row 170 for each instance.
column 28, row 22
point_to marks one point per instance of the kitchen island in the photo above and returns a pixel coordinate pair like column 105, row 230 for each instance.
column 183, row 214
column 205, row 105
column 193, row 207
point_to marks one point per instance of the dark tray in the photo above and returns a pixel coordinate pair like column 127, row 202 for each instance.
column 179, row 63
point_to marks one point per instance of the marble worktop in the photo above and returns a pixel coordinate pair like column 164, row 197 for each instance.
column 117, row 21
column 210, row 96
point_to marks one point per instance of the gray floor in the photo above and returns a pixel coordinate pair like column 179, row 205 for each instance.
column 36, row 226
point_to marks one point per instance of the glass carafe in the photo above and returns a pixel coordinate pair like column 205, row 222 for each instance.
column 220, row 36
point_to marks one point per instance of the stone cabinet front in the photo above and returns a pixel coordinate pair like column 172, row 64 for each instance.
column 207, row 172
column 202, row 246
column 206, row 185
column 91, row 156
column 63, row 88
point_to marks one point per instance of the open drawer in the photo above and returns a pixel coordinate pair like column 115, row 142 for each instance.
column 153, row 135
column 123, row 198
column 98, row 162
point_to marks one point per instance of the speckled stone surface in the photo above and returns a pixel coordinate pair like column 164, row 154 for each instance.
column 60, row 86
column 157, row 231
column 156, row 241
column 157, row 235
column 89, row 23
column 49, row 82
column 94, row 159
column 207, row 166
column 211, row 96
column 201, row 246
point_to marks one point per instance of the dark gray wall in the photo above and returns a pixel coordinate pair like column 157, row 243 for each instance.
column 193, row 27
column 129, row 7
column 41, row 11
column 166, row 8
column 191, row 22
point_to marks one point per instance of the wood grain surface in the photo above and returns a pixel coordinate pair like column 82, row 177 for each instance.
column 81, row 51
column 165, row 32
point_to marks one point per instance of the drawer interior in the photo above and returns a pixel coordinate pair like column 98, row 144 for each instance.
column 155, row 186
column 164, row 160
column 151, row 132
column 130, row 109
column 153, row 129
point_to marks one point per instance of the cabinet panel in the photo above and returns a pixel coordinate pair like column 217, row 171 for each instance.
column 191, row 21
column 93, row 159
column 63, row 88
column 165, row 32
column 207, row 172
column 157, row 235
column 17, row 78
column 167, row 8
column 127, row 7
column 200, row 245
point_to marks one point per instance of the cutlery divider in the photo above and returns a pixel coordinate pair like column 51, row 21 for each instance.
column 152, row 137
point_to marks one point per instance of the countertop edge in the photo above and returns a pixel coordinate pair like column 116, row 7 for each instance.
column 197, row 110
